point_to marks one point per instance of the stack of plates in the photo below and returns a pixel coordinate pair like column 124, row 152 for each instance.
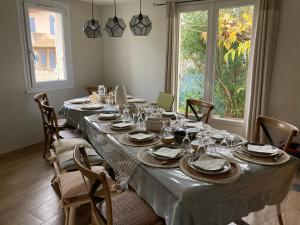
column 166, row 152
column 259, row 150
column 209, row 164
column 120, row 125
column 140, row 136
column 108, row 116
column 171, row 115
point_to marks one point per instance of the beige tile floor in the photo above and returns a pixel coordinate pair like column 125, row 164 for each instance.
column 27, row 198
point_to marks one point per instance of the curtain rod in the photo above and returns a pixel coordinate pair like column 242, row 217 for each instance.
column 161, row 4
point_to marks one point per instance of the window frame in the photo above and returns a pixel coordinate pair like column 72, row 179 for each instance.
column 213, row 7
column 31, row 85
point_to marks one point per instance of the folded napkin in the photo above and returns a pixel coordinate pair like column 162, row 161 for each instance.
column 267, row 149
column 209, row 164
column 92, row 106
column 136, row 100
column 140, row 136
column 167, row 152
column 107, row 115
column 122, row 124
column 169, row 114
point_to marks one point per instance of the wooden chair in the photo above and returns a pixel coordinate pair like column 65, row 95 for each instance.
column 91, row 89
column 265, row 123
column 51, row 128
column 198, row 106
column 124, row 208
column 165, row 101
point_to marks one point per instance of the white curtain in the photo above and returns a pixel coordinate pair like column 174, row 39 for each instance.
column 263, row 60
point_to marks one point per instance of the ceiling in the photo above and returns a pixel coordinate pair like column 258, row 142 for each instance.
column 107, row 2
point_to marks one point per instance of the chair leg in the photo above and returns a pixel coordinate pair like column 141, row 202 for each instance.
column 279, row 215
column 45, row 148
column 67, row 215
column 72, row 219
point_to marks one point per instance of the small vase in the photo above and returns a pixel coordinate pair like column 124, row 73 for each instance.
column 121, row 96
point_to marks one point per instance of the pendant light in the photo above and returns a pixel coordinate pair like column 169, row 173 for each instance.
column 115, row 26
column 92, row 28
column 140, row 25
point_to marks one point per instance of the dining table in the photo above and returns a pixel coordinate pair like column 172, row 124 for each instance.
column 181, row 199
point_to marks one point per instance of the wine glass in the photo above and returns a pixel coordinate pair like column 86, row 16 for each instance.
column 140, row 122
column 186, row 144
column 126, row 115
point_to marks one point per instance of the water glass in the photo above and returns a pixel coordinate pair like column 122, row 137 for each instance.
column 186, row 144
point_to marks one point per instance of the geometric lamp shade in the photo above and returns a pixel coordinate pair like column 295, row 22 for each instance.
column 115, row 27
column 140, row 25
column 92, row 29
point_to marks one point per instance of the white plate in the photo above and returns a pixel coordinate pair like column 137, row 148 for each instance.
column 136, row 100
column 259, row 154
column 225, row 169
column 218, row 137
column 133, row 136
column 108, row 116
column 78, row 101
column 120, row 125
column 91, row 107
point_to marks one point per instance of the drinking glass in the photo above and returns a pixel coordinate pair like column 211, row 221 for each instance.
column 140, row 122
column 186, row 144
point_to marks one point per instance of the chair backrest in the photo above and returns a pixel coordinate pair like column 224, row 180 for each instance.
column 200, row 109
column 49, row 119
column 94, row 181
column 91, row 89
column 38, row 99
column 265, row 123
column 165, row 101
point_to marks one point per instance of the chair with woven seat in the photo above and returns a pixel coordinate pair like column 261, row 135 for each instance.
column 62, row 147
column 201, row 109
column 124, row 208
column 268, row 124
column 165, row 101
column 75, row 192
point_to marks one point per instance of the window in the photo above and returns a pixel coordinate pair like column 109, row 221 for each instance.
column 32, row 24
column 53, row 70
column 214, row 55
column 52, row 24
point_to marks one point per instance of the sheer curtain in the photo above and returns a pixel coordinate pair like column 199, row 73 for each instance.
column 263, row 59
column 170, row 78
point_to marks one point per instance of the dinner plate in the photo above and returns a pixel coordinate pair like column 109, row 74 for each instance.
column 136, row 100
column 157, row 147
column 91, row 107
column 218, row 137
column 225, row 168
column 113, row 125
column 131, row 138
column 78, row 101
column 259, row 154
column 108, row 116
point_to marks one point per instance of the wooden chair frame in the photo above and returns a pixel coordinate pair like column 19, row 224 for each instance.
column 190, row 103
column 94, row 181
column 285, row 127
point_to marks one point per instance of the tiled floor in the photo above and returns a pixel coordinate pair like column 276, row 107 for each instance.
column 27, row 198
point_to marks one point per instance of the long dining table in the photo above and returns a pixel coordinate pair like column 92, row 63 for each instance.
column 180, row 199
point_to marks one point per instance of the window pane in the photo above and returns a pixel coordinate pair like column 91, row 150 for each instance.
column 47, row 43
column 232, row 59
column 192, row 56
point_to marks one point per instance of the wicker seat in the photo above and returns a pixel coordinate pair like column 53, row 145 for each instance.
column 125, row 208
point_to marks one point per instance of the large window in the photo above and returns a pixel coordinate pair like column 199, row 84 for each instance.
column 214, row 55
column 45, row 29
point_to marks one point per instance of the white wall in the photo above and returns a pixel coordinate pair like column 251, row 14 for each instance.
column 285, row 87
column 137, row 62
column 20, row 120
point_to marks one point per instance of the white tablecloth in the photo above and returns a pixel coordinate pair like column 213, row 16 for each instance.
column 181, row 200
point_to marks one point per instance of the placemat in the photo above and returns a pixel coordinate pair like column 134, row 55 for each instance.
column 229, row 177
column 105, row 128
column 262, row 160
column 146, row 158
column 123, row 139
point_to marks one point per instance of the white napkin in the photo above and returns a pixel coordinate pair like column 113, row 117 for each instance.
column 122, row 124
column 268, row 149
column 167, row 152
column 140, row 136
column 210, row 164
column 169, row 114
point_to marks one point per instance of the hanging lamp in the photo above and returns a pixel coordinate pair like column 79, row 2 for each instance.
column 115, row 26
column 140, row 25
column 92, row 28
